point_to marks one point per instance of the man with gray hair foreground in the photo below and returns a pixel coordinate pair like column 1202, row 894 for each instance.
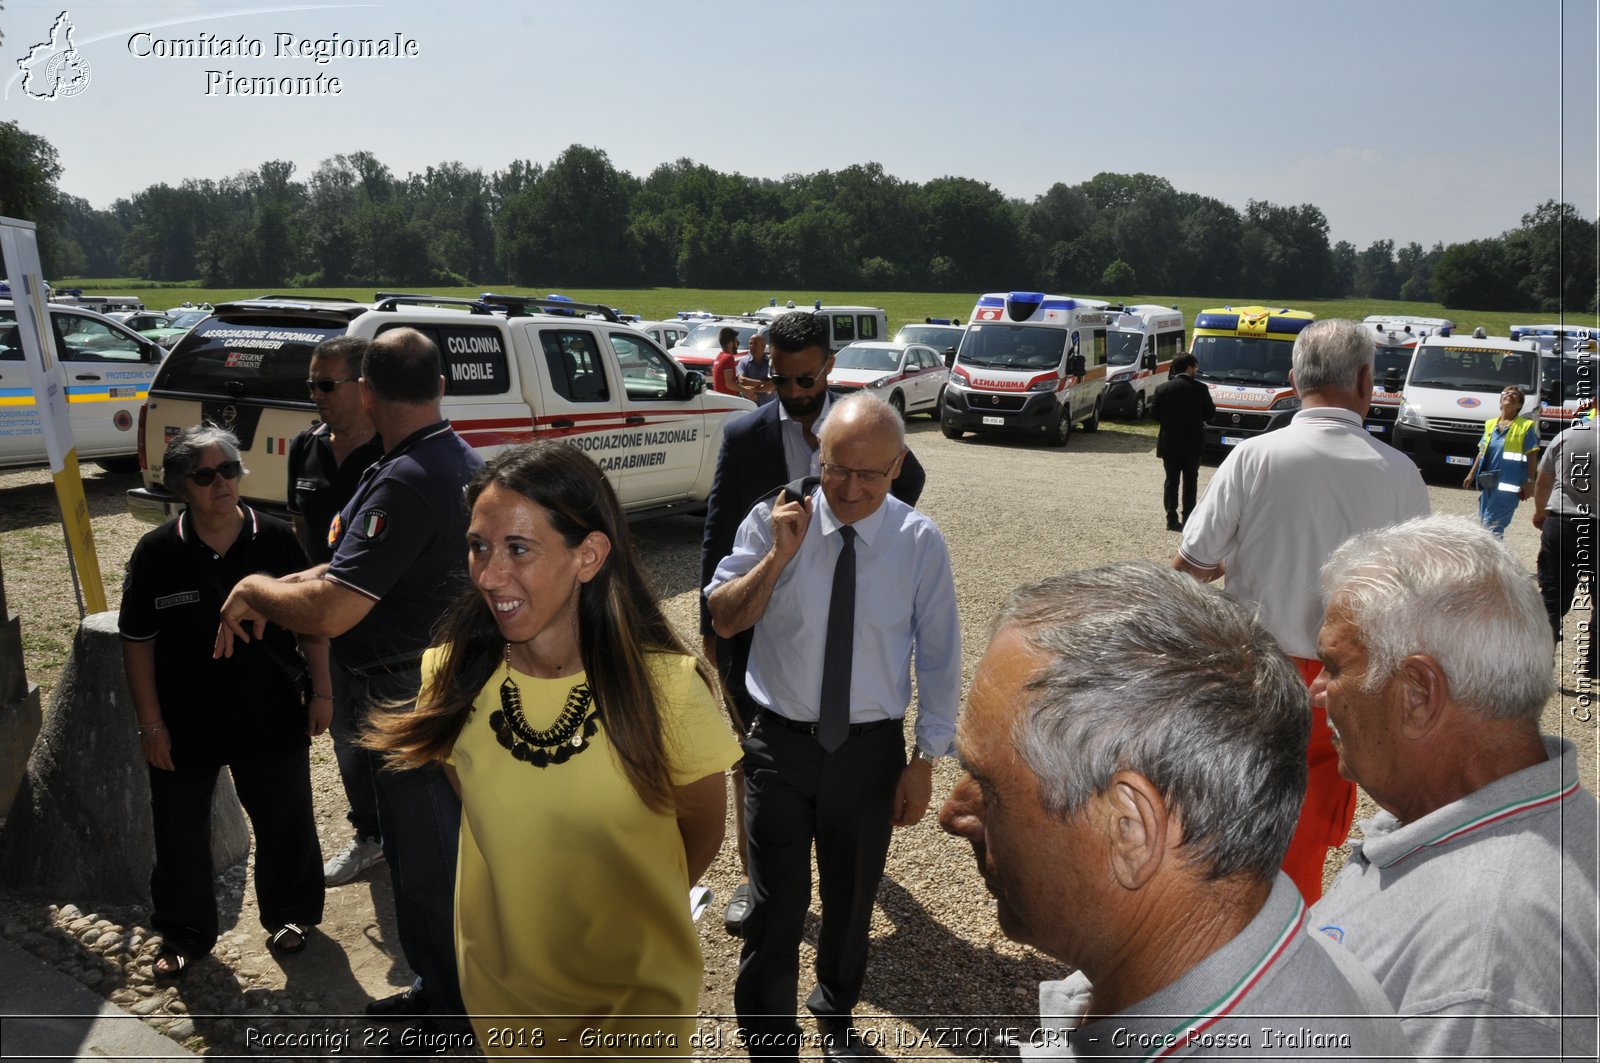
column 1472, row 894
column 1134, row 748
column 1275, row 511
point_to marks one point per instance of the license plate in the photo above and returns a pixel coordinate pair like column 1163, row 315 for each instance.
column 1377, row 429
column 1453, row 460
column 994, row 420
column 1232, row 441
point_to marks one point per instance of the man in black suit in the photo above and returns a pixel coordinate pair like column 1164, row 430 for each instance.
column 762, row 451
column 1182, row 406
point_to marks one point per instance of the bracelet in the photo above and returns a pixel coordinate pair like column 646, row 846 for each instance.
column 152, row 729
column 324, row 697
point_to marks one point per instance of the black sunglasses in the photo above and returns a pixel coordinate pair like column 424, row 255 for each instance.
column 802, row 382
column 228, row 470
column 325, row 386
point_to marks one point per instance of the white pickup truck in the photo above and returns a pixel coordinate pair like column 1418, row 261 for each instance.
column 516, row 369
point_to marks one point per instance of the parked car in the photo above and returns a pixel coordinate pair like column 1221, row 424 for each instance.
column 940, row 336
column 516, row 369
column 909, row 376
column 107, row 369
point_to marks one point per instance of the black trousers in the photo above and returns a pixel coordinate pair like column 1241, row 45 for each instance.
column 1188, row 468
column 1566, row 560
column 275, row 791
column 795, row 795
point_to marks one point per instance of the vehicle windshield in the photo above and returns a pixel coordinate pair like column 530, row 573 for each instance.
column 1395, row 358
column 936, row 336
column 1012, row 347
column 704, row 337
column 1123, row 347
column 188, row 319
column 876, row 359
column 1472, row 369
column 1577, row 376
column 1254, row 360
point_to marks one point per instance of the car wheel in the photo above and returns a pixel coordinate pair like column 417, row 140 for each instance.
column 898, row 401
column 1062, row 431
column 950, row 429
column 1092, row 423
column 1138, row 406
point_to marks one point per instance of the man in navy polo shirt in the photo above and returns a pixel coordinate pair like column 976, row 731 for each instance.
column 399, row 560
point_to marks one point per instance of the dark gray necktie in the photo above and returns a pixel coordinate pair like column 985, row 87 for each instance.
column 834, row 724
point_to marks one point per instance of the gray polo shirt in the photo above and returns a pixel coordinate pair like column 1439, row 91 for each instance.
column 1573, row 458
column 1276, row 991
column 1479, row 918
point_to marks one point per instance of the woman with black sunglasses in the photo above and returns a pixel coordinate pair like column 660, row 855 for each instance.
column 255, row 711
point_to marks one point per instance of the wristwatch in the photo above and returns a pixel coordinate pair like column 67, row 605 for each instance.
column 918, row 754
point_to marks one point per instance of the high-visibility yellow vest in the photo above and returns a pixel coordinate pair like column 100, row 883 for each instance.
column 1513, row 453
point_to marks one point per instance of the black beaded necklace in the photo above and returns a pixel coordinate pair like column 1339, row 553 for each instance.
column 558, row 743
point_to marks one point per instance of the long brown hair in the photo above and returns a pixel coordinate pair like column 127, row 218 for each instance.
column 619, row 622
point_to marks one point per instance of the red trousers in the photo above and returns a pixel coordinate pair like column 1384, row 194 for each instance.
column 1330, row 805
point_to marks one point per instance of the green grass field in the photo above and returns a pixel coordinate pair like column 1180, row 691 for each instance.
column 902, row 307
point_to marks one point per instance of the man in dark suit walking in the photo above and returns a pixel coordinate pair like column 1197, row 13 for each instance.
column 762, row 451
column 1182, row 406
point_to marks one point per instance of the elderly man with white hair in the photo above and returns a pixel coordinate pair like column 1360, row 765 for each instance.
column 1472, row 895
column 1134, row 753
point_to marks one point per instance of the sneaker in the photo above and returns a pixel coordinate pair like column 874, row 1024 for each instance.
column 360, row 854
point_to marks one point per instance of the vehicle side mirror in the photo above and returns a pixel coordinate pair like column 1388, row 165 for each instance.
column 1550, row 394
column 1150, row 361
column 693, row 383
column 949, row 357
column 1076, row 366
column 1391, row 379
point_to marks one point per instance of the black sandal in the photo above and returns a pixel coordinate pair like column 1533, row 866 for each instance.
column 288, row 939
column 170, row 964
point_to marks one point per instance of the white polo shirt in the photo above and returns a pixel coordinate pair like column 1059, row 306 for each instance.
column 1281, row 503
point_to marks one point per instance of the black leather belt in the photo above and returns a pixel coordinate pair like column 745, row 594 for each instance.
column 809, row 727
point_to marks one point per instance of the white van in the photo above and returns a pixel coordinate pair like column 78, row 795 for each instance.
column 1453, row 387
column 846, row 324
column 1140, row 345
column 1395, row 340
column 107, row 369
column 1029, row 362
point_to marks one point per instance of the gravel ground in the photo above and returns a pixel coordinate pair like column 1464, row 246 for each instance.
column 1011, row 512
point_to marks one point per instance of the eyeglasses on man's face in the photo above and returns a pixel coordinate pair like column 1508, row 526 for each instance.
column 206, row 475
column 868, row 477
column 329, row 384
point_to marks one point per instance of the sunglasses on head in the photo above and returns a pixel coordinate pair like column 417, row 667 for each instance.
column 326, row 386
column 205, row 475
column 802, row 382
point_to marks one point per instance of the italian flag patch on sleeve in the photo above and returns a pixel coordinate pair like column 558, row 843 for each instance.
column 372, row 523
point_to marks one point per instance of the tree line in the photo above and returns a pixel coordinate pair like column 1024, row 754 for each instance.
column 581, row 222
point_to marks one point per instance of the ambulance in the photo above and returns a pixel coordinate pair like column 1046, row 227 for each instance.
column 1454, row 387
column 1567, row 366
column 1394, row 339
column 1030, row 363
column 1244, row 355
column 1140, row 345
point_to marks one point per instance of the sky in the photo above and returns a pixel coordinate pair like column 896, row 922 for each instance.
column 1411, row 120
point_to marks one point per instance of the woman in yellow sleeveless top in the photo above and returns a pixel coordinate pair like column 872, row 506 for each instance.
column 589, row 751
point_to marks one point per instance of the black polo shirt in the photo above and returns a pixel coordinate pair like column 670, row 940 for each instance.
column 319, row 486
column 402, row 542
column 228, row 709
